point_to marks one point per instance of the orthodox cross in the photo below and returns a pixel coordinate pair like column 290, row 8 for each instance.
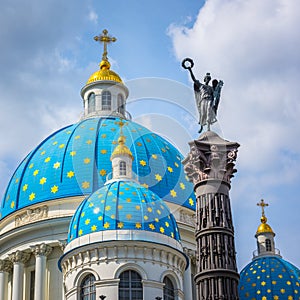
column 262, row 204
column 121, row 124
column 105, row 39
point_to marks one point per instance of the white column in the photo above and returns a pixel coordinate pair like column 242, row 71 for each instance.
column 5, row 268
column 18, row 258
column 187, row 283
column 41, row 252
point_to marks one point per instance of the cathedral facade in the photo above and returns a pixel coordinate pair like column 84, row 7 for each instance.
column 102, row 209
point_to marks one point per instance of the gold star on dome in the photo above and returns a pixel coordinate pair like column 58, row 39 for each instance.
column 31, row 196
column 143, row 163
column 159, row 212
column 102, row 172
column 89, row 142
column 151, row 226
column 87, row 221
column 167, row 224
column 103, row 151
column 176, row 164
column 54, row 189
column 80, row 232
column 149, row 209
column 170, row 169
column 173, row 193
column 106, row 225
column 146, row 218
column 128, row 216
column 154, row 156
column 43, row 180
column 35, row 172
column 120, row 225
column 94, row 228
column 77, row 137
column 61, row 146
column 182, row 186
column 103, row 136
column 12, row 205
column 47, row 159
column 73, row 153
column 161, row 229
column 100, row 218
column 54, row 143
column 138, row 225
column 70, row 174
column 85, row 185
column 263, row 283
column 158, row 177
column 191, row 201
column 56, row 165
column 172, row 235
column 42, row 153
column 87, row 160
column 137, row 207
column 107, row 208
column 25, row 187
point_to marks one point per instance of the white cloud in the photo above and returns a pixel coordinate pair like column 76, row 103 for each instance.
column 93, row 17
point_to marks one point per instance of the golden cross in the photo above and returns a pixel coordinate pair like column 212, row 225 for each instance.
column 121, row 124
column 105, row 39
column 262, row 204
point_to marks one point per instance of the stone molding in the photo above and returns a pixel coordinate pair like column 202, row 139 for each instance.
column 187, row 218
column 41, row 250
column 97, row 254
column 5, row 265
column 62, row 244
column 19, row 257
column 32, row 215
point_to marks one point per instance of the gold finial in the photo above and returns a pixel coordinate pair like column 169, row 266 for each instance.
column 121, row 149
column 105, row 39
column 262, row 204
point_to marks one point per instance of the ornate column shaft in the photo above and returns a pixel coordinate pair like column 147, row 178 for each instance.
column 210, row 166
column 18, row 258
column 5, row 269
column 41, row 252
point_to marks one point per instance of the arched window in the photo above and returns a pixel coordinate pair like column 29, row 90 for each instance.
column 91, row 103
column 106, row 100
column 130, row 286
column 268, row 245
column 168, row 289
column 121, row 108
column 122, row 168
column 87, row 288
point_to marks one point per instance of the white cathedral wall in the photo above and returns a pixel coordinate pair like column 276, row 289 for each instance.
column 107, row 260
column 48, row 222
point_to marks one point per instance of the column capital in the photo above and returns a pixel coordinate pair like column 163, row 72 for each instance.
column 41, row 249
column 5, row 265
column 19, row 257
column 210, row 157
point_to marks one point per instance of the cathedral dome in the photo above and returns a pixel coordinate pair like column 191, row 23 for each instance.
column 75, row 161
column 269, row 277
column 123, row 206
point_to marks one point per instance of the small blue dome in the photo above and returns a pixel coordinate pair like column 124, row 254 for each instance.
column 269, row 277
column 123, row 205
column 75, row 161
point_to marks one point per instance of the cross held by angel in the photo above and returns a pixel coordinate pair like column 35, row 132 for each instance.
column 207, row 96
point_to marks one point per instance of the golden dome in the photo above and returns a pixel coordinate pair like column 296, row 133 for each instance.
column 264, row 227
column 121, row 149
column 104, row 74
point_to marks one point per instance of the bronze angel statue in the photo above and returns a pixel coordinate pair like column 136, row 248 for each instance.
column 207, row 96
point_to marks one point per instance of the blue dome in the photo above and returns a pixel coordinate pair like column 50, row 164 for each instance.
column 123, row 205
column 75, row 161
column 269, row 277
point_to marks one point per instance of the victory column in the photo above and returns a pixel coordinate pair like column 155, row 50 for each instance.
column 210, row 166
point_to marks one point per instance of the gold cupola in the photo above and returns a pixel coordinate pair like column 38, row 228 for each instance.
column 105, row 73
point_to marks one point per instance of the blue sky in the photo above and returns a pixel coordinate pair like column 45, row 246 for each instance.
column 48, row 52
